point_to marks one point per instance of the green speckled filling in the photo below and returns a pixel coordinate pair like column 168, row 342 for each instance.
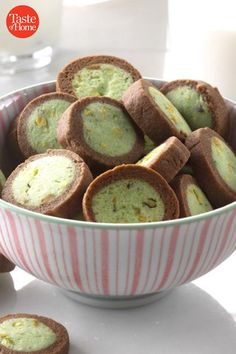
column 151, row 155
column 187, row 169
column 149, row 145
column 225, row 162
column 127, row 201
column 169, row 110
column 197, row 201
column 26, row 335
column 2, row 181
column 107, row 129
column 192, row 106
column 43, row 180
column 101, row 80
column 42, row 125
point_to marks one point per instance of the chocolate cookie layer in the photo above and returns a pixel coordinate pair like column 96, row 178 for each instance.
column 154, row 113
column 101, row 131
column 37, row 123
column 214, row 165
column 192, row 200
column 12, row 142
column 5, row 265
column 167, row 159
column 52, row 183
column 130, row 194
column 100, row 75
column 27, row 333
column 199, row 103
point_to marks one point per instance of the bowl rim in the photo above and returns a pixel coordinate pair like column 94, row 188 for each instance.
column 99, row 225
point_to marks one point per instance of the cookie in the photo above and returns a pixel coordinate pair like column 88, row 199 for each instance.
column 130, row 194
column 5, row 265
column 154, row 113
column 52, row 183
column 186, row 170
column 167, row 158
column 12, row 142
column 27, row 333
column 214, row 165
column 100, row 131
column 37, row 123
column 149, row 145
column 192, row 200
column 100, row 75
column 199, row 103
column 2, row 181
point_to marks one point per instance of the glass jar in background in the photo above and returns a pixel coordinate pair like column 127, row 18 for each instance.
column 19, row 54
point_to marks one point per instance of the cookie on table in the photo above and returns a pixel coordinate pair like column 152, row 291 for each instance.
column 130, row 194
column 199, row 103
column 2, row 181
column 37, row 123
column 101, row 132
column 192, row 200
column 52, row 183
column 167, row 158
column 154, row 113
column 29, row 333
column 5, row 265
column 100, row 75
column 214, row 165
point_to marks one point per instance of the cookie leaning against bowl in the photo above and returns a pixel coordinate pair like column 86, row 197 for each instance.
column 214, row 165
column 154, row 113
column 199, row 103
column 27, row 333
column 52, row 183
column 130, row 194
column 37, row 123
column 5, row 265
column 192, row 200
column 100, row 75
column 100, row 131
column 167, row 158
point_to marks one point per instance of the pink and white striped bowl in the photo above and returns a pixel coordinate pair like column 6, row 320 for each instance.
column 108, row 260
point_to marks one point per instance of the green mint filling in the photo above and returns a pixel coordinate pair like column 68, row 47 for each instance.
column 149, row 145
column 2, row 180
column 197, row 201
column 151, row 155
column 192, row 106
column 107, row 129
column 128, row 201
column 224, row 161
column 26, row 335
column 101, row 80
column 42, row 125
column 43, row 180
column 169, row 110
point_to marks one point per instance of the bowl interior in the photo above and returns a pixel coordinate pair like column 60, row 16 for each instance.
column 13, row 103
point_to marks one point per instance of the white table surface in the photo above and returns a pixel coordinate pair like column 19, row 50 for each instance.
column 195, row 318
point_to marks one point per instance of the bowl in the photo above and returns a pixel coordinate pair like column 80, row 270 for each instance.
column 114, row 264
